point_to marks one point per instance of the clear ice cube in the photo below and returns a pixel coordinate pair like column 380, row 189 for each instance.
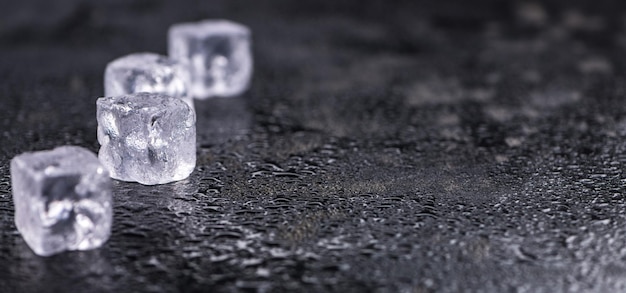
column 218, row 55
column 147, row 138
column 62, row 199
column 147, row 72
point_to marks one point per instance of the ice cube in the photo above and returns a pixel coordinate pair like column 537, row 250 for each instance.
column 145, row 137
column 218, row 55
column 147, row 72
column 62, row 199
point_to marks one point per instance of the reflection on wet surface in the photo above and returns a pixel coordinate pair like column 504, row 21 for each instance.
column 222, row 119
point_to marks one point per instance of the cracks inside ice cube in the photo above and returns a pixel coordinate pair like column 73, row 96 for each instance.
column 146, row 138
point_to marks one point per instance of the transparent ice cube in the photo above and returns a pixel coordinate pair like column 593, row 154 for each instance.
column 147, row 72
column 62, row 199
column 145, row 137
column 218, row 54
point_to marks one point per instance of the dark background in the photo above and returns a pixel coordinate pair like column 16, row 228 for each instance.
column 406, row 146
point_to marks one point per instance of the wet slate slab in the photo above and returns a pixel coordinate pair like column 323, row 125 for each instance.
column 413, row 147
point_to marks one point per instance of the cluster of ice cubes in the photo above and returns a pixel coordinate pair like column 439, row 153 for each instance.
column 146, row 130
column 211, row 58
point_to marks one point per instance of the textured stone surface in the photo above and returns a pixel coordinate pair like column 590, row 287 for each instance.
column 147, row 72
column 62, row 199
column 146, row 138
column 218, row 54
column 433, row 146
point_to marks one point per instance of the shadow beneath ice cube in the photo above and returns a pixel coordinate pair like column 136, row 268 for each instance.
column 221, row 119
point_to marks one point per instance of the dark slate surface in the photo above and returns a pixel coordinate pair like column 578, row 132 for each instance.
column 405, row 147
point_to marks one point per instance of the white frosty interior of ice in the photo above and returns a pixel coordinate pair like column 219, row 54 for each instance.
column 62, row 199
